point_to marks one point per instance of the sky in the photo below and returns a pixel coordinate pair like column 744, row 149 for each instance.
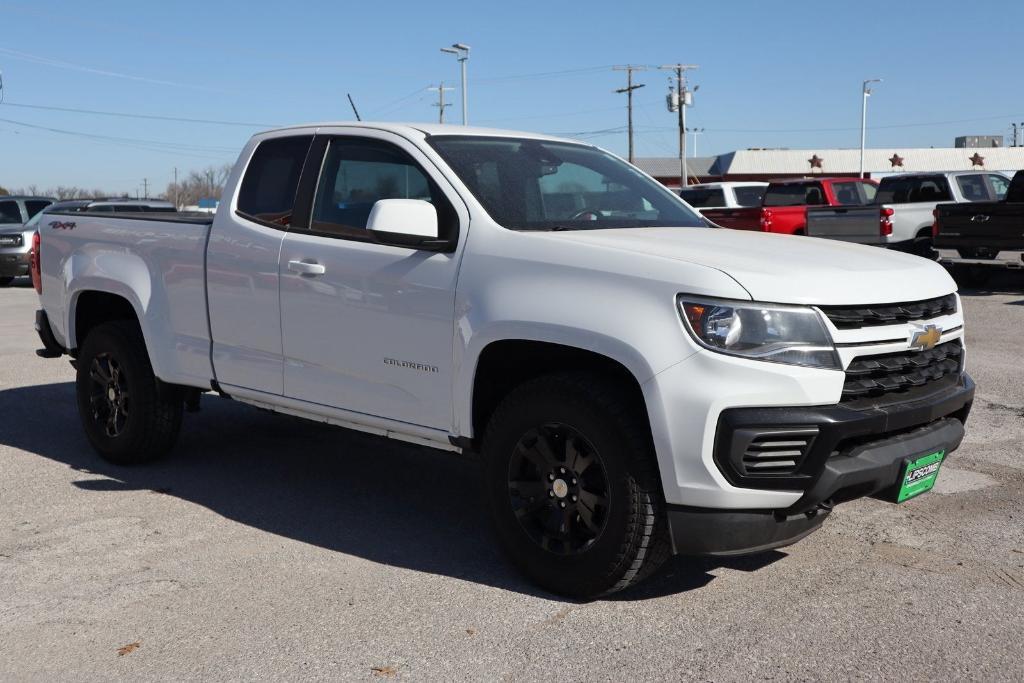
column 771, row 74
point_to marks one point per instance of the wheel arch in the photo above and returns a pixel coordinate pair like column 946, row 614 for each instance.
column 503, row 364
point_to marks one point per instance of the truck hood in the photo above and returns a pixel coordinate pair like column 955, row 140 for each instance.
column 785, row 268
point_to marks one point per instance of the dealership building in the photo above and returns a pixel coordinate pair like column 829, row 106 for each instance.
column 769, row 164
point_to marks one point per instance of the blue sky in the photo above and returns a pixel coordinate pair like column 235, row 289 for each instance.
column 772, row 74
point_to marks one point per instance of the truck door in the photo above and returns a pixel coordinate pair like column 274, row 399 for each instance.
column 369, row 326
column 242, row 277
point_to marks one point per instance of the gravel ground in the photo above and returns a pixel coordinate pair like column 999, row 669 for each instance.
column 266, row 547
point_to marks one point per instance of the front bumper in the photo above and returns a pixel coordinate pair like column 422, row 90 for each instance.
column 852, row 454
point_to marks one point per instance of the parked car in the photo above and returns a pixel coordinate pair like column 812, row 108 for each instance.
column 635, row 382
column 784, row 205
column 981, row 237
column 902, row 214
column 731, row 195
column 15, row 240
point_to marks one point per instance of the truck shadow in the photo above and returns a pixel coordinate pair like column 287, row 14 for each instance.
column 348, row 492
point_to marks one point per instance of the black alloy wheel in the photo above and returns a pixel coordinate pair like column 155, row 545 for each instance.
column 558, row 488
column 108, row 395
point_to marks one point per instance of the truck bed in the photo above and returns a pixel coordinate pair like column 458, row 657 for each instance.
column 154, row 260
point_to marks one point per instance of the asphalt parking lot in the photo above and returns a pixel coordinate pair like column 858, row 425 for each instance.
column 273, row 548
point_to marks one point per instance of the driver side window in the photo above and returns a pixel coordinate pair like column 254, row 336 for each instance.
column 357, row 173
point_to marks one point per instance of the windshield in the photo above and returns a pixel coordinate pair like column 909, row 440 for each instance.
column 528, row 184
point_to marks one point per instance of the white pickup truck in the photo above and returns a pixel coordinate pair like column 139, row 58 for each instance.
column 901, row 216
column 636, row 382
column 726, row 195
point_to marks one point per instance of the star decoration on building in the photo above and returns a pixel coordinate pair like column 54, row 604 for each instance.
column 815, row 161
column 977, row 160
column 896, row 160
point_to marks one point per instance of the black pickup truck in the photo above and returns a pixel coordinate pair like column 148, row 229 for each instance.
column 977, row 238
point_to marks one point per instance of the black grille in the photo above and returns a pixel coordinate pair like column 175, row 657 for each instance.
column 777, row 452
column 852, row 317
column 902, row 373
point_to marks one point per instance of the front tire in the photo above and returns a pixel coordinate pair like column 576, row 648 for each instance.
column 572, row 485
column 129, row 416
column 6, row 281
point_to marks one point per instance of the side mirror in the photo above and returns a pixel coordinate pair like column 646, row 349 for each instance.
column 411, row 222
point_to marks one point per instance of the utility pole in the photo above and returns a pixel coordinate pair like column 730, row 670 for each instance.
column 678, row 100
column 629, row 69
column 695, row 132
column 441, row 104
column 461, row 52
column 866, row 93
column 177, row 204
column 145, row 188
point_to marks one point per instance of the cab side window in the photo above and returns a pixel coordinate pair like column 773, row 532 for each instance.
column 357, row 173
column 267, row 192
column 1000, row 185
column 10, row 212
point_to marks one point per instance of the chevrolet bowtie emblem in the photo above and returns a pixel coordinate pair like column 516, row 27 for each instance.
column 925, row 338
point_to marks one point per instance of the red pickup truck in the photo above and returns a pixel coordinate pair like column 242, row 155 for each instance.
column 784, row 205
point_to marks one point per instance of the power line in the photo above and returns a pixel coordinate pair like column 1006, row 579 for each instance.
column 542, row 74
column 60, row 64
column 150, row 145
column 152, row 117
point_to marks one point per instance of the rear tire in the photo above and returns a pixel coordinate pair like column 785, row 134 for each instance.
column 572, row 484
column 129, row 416
column 6, row 281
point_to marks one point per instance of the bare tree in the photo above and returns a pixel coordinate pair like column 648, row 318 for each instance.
column 207, row 183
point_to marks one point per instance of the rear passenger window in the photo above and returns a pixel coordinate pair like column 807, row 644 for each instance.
column 357, row 173
column 973, row 187
column 10, row 213
column 906, row 190
column 700, row 198
column 1000, row 184
column 786, row 195
column 749, row 196
column 34, row 206
column 267, row 192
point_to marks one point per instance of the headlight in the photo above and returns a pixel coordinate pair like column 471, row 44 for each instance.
column 779, row 334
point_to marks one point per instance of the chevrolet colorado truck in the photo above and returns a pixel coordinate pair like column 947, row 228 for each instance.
column 635, row 382
column 785, row 204
column 901, row 215
column 979, row 238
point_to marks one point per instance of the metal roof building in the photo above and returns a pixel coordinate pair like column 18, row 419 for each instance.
column 766, row 164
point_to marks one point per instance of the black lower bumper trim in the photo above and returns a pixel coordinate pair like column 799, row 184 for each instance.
column 723, row 533
column 839, row 430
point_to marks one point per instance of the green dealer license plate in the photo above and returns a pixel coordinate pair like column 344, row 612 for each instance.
column 919, row 475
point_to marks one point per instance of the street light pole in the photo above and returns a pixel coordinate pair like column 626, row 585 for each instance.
column 461, row 52
column 696, row 132
column 865, row 93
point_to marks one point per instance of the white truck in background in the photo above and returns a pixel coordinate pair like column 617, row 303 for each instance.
column 636, row 382
column 902, row 214
column 724, row 195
